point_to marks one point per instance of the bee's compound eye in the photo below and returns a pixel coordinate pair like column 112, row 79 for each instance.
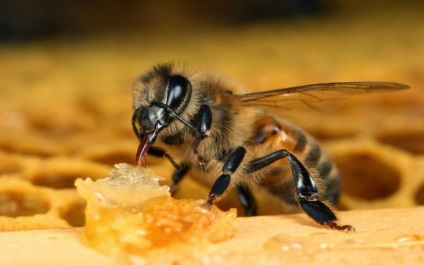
column 179, row 90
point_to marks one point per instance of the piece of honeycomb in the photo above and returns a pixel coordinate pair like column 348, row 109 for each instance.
column 130, row 214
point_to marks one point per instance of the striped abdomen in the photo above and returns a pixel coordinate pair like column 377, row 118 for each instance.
column 274, row 134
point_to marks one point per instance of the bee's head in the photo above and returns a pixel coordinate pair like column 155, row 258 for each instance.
column 167, row 102
column 158, row 97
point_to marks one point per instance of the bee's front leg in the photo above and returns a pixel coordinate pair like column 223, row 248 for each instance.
column 222, row 182
column 306, row 189
column 203, row 125
column 180, row 169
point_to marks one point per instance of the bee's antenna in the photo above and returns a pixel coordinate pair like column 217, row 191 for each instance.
column 170, row 110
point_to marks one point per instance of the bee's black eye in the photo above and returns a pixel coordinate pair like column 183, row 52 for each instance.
column 179, row 90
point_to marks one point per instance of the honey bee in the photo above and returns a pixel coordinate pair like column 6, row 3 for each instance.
column 233, row 139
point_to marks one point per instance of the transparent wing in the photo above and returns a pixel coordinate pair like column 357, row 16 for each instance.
column 322, row 97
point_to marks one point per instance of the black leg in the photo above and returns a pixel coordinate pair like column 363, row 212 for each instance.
column 180, row 169
column 160, row 152
column 222, row 183
column 203, row 125
column 247, row 200
column 306, row 189
column 178, row 175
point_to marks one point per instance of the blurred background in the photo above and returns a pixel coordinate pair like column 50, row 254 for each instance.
column 67, row 67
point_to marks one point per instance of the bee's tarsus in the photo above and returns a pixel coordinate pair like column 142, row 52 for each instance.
column 318, row 211
column 173, row 188
column 334, row 225
column 219, row 187
column 208, row 204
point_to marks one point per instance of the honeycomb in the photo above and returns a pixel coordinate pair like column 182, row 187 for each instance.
column 65, row 108
column 130, row 213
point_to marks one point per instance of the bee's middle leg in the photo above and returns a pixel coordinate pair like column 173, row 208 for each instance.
column 247, row 200
column 222, row 182
column 306, row 189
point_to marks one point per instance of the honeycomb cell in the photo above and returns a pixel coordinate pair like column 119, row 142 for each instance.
column 410, row 140
column 15, row 203
column 74, row 214
column 62, row 173
column 419, row 195
column 121, row 151
column 112, row 157
column 366, row 176
column 57, row 180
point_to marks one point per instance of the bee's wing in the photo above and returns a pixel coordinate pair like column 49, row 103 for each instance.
column 322, row 97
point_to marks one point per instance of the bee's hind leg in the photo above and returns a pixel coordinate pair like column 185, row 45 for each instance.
column 307, row 193
column 306, row 189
